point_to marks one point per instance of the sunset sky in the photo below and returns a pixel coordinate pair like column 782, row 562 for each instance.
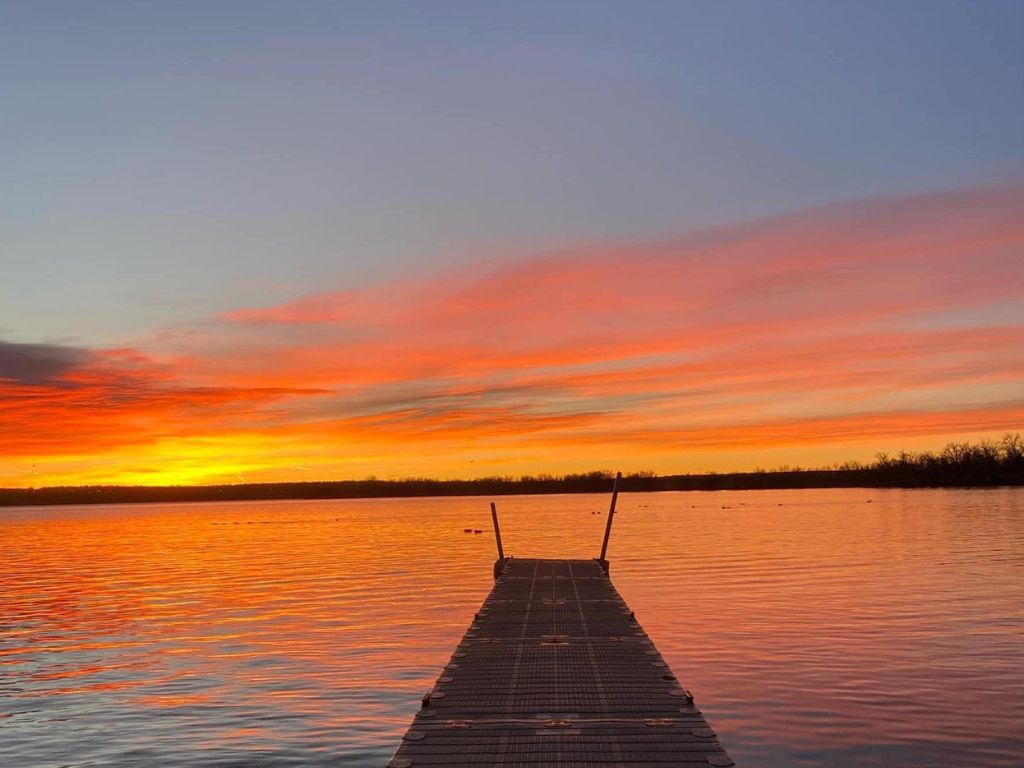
column 258, row 241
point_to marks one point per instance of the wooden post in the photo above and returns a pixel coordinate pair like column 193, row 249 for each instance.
column 611, row 514
column 497, row 531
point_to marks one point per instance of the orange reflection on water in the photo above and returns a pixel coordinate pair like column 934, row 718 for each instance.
column 814, row 628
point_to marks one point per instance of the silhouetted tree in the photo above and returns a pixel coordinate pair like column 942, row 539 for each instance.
column 958, row 464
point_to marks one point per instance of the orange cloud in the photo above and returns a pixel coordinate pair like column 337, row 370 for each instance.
column 872, row 321
column 118, row 398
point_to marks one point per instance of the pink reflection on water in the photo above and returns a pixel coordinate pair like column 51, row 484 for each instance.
column 821, row 631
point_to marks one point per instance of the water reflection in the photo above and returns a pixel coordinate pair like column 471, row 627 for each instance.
column 815, row 628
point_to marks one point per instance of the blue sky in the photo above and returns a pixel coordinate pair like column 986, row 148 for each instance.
column 163, row 162
column 278, row 241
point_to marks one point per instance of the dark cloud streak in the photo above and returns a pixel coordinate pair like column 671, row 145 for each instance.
column 34, row 364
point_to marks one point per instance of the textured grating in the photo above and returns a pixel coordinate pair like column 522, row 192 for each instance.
column 555, row 672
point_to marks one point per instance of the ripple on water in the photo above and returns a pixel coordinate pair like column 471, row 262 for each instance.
column 814, row 629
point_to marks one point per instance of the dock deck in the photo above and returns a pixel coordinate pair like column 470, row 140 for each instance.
column 556, row 672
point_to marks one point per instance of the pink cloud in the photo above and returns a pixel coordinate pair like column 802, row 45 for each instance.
column 820, row 325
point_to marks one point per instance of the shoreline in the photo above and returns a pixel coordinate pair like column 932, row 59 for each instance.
column 597, row 482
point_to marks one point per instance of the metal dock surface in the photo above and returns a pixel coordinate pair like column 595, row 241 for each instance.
column 556, row 672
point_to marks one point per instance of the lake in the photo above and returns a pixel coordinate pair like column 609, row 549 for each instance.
column 853, row 627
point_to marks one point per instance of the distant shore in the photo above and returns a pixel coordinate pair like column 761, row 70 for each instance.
column 597, row 482
column 958, row 465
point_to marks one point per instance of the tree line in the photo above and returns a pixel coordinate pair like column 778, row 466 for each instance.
column 987, row 463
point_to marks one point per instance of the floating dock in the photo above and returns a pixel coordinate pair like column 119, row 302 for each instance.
column 556, row 672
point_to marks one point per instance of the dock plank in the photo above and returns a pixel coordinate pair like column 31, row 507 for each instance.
column 556, row 672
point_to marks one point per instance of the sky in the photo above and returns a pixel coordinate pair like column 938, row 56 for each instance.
column 269, row 241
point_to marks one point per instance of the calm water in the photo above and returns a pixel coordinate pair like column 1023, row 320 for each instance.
column 814, row 628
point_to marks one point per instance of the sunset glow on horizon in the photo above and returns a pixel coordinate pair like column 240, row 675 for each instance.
column 807, row 339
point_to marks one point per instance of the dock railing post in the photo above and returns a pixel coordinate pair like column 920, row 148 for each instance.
column 499, row 564
column 608, row 526
column 497, row 531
